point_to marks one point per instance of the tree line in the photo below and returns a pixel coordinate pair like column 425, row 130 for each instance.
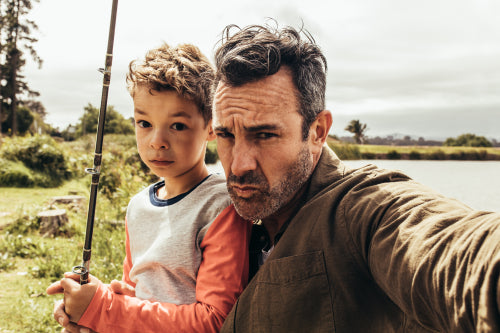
column 359, row 129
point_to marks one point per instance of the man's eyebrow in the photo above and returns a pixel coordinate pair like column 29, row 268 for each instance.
column 259, row 128
column 251, row 129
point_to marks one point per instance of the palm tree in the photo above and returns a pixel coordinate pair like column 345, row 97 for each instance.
column 358, row 129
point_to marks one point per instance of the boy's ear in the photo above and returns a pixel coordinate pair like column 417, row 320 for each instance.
column 211, row 134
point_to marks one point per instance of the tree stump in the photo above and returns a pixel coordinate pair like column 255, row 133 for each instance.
column 75, row 202
column 51, row 221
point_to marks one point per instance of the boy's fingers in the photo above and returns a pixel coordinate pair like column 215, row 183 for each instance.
column 59, row 315
column 54, row 288
column 69, row 285
column 71, row 275
column 121, row 287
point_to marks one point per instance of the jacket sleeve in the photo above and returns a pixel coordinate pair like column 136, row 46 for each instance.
column 436, row 258
column 222, row 276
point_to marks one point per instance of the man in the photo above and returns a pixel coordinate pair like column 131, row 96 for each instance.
column 339, row 250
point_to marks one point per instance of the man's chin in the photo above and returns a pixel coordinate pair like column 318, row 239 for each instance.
column 245, row 209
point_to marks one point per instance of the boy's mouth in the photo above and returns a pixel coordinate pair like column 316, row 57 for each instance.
column 161, row 162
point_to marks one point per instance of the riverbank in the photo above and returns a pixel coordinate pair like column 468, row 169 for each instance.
column 347, row 151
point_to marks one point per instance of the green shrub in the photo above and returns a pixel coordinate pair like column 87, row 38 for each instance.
column 15, row 174
column 211, row 155
column 414, row 155
column 368, row 156
column 437, row 155
column 41, row 155
column 393, row 155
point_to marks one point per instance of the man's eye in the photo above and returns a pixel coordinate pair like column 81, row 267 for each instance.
column 179, row 126
column 224, row 135
column 143, row 124
column 265, row 135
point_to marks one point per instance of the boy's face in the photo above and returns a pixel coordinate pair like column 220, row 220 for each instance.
column 171, row 134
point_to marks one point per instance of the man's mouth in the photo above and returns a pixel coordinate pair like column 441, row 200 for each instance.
column 244, row 191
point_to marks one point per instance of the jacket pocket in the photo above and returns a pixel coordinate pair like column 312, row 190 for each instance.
column 292, row 294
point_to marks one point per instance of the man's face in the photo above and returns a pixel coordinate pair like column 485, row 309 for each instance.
column 260, row 145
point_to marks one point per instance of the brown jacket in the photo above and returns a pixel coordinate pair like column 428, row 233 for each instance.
column 373, row 251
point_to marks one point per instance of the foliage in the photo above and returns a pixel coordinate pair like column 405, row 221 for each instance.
column 40, row 154
column 346, row 151
column 393, row 155
column 358, row 129
column 468, row 140
column 211, row 155
column 88, row 122
column 16, row 38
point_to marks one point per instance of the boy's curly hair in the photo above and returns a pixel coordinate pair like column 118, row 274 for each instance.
column 183, row 69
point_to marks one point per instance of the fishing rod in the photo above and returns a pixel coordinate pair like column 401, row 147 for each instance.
column 84, row 268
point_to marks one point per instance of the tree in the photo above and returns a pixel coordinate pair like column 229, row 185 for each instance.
column 468, row 140
column 358, row 129
column 115, row 122
column 15, row 37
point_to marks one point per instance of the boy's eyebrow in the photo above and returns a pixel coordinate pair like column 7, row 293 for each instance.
column 177, row 114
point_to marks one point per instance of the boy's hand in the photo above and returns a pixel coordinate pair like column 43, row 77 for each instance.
column 121, row 287
column 62, row 318
column 77, row 297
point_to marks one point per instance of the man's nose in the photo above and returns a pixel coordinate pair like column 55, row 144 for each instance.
column 159, row 140
column 243, row 158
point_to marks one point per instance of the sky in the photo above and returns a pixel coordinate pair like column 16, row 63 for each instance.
column 427, row 68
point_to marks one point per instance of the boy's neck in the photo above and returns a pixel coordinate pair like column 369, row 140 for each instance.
column 183, row 183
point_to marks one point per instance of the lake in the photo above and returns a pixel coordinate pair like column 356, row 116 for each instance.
column 475, row 183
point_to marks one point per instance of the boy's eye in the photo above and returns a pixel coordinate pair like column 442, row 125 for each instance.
column 179, row 126
column 143, row 124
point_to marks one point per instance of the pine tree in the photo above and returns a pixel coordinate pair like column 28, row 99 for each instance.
column 15, row 39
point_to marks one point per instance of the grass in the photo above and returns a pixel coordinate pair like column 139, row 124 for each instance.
column 29, row 262
column 354, row 152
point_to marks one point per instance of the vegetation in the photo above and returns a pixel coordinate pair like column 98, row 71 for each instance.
column 468, row 140
column 16, row 40
column 87, row 124
column 347, row 151
column 358, row 129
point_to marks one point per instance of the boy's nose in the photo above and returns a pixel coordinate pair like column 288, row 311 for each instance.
column 158, row 140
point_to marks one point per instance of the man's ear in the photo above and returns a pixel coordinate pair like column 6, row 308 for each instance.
column 211, row 134
column 318, row 132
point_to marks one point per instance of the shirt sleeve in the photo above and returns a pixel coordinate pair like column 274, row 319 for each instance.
column 127, row 262
column 222, row 276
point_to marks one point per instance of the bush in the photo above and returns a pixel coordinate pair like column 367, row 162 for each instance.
column 414, row 155
column 393, row 155
column 15, row 174
column 211, row 155
column 44, row 162
column 437, row 155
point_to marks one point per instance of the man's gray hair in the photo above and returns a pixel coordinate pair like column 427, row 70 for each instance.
column 254, row 52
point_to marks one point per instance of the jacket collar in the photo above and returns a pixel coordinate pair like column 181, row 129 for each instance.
column 328, row 170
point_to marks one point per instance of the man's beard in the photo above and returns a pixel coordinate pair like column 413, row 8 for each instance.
column 267, row 200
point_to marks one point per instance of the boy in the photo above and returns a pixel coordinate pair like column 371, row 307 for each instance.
column 187, row 262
